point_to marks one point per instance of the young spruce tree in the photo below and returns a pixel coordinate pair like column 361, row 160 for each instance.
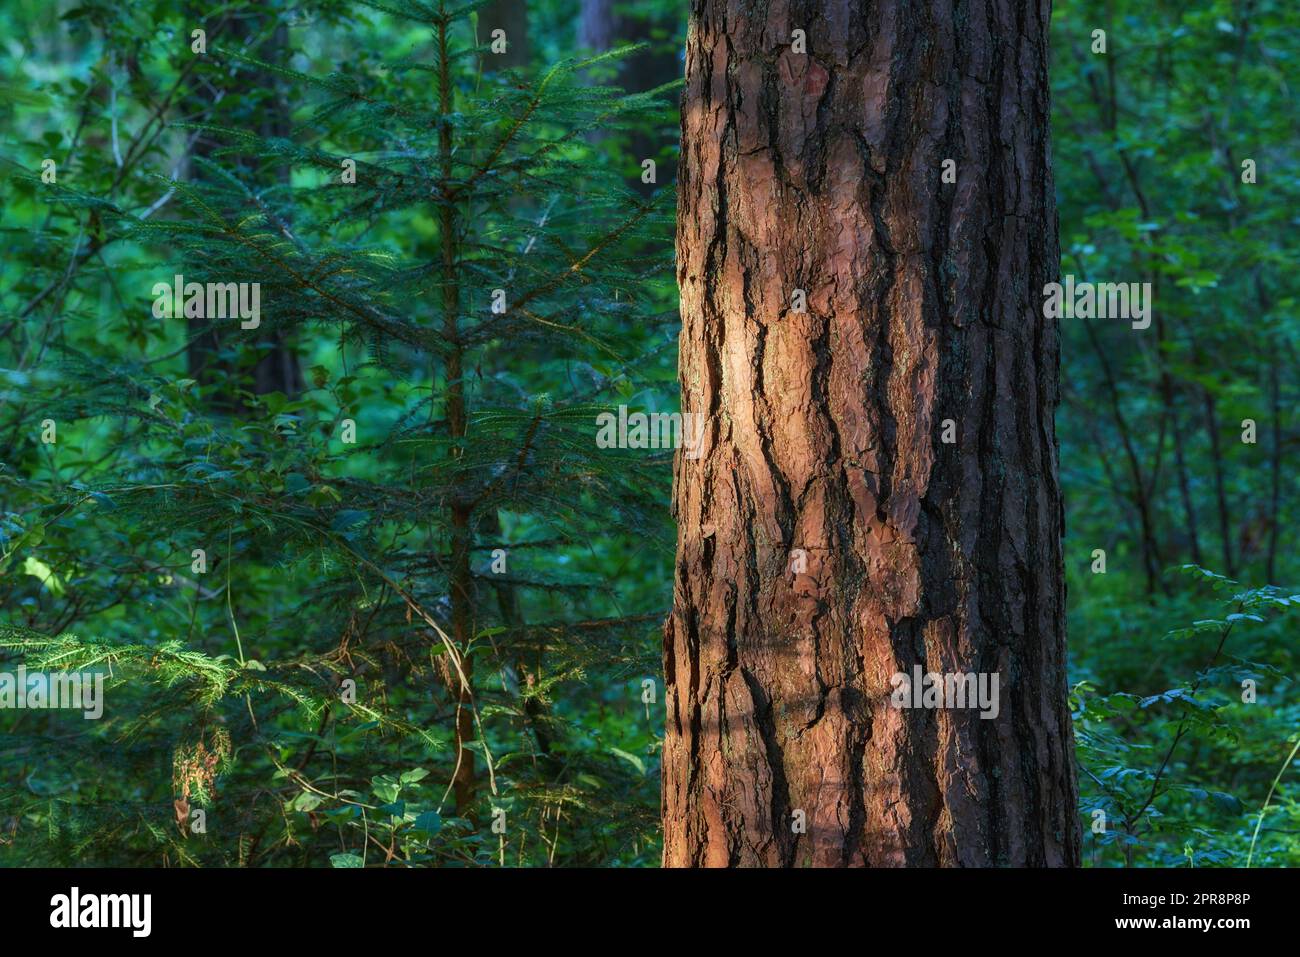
column 354, row 623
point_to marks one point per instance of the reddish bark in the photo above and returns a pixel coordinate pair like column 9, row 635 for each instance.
column 823, row 172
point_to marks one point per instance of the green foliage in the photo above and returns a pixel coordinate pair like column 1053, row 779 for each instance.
column 304, row 684
column 1162, row 772
column 348, row 637
column 1150, row 140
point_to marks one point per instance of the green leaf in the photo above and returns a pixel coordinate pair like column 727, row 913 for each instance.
column 430, row 822
column 38, row 569
column 385, row 787
column 631, row 759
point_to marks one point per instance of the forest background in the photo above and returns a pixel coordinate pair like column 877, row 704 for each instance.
column 365, row 588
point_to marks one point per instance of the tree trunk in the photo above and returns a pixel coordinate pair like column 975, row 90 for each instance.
column 512, row 17
column 278, row 370
column 822, row 172
column 601, row 29
column 596, row 26
column 460, row 579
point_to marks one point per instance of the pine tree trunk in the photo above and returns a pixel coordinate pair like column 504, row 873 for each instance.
column 822, row 172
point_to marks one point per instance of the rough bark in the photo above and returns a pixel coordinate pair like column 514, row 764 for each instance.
column 822, row 172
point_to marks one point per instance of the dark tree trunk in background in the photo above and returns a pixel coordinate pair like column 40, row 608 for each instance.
column 278, row 370
column 596, row 27
column 512, row 17
column 656, row 64
column 822, row 172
